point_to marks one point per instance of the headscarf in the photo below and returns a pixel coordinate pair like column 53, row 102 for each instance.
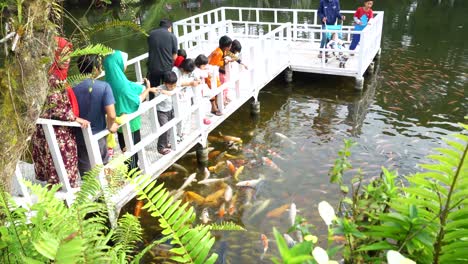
column 59, row 71
column 126, row 93
column 59, row 68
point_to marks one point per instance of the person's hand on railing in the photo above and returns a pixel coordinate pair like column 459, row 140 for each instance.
column 324, row 20
column 343, row 18
column 147, row 83
column 83, row 122
column 113, row 128
column 195, row 83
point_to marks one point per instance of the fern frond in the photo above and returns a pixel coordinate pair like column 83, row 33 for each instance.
column 115, row 24
column 223, row 226
column 191, row 245
column 77, row 78
column 98, row 49
column 127, row 233
column 90, row 188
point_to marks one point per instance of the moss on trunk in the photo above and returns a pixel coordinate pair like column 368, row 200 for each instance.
column 23, row 83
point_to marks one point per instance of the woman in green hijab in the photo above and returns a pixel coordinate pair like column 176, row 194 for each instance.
column 128, row 96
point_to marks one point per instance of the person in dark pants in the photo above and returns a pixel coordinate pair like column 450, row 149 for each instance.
column 96, row 103
column 162, row 52
column 165, row 110
column 328, row 12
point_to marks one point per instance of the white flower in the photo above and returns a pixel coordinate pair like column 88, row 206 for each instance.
column 394, row 257
column 327, row 212
column 320, row 255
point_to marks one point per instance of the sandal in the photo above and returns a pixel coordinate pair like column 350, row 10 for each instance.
column 164, row 151
column 169, row 146
column 218, row 113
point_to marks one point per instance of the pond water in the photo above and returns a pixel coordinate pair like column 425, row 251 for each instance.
column 416, row 98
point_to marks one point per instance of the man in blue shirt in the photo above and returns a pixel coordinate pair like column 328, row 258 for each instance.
column 328, row 12
column 96, row 104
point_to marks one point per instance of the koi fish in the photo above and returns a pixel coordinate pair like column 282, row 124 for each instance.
column 213, row 199
column 233, row 157
column 289, row 240
column 213, row 154
column 232, row 205
column 211, row 181
column 292, row 214
column 228, row 193
column 275, row 154
column 168, row 174
column 249, row 183
column 194, row 197
column 138, row 206
column 222, row 210
column 271, row 164
column 231, row 167
column 260, row 208
column 278, row 211
column 264, row 240
column 189, row 181
column 231, row 138
column 206, row 173
column 180, row 168
column 218, row 167
column 285, row 138
column 238, row 172
column 205, row 216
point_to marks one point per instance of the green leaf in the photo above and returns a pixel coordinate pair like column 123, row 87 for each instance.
column 382, row 245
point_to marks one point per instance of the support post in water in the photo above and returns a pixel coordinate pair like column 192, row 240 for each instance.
column 202, row 155
column 370, row 69
column 288, row 75
column 255, row 107
column 359, row 85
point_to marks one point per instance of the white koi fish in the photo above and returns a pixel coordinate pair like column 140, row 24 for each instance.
column 189, row 181
column 285, row 138
column 205, row 216
column 211, row 181
column 249, row 183
column 228, row 194
column 289, row 240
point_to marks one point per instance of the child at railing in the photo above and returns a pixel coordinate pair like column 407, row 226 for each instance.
column 165, row 110
column 362, row 18
column 217, row 58
column 337, row 44
column 185, row 79
column 202, row 73
column 234, row 53
column 181, row 56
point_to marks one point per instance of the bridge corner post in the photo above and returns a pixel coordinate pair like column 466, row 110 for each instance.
column 377, row 56
column 370, row 69
column 202, row 155
column 288, row 75
column 255, row 108
column 359, row 84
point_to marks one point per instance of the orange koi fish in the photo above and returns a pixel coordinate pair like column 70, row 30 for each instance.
column 222, row 210
column 168, row 174
column 213, row 199
column 138, row 206
column 231, row 138
column 213, row 154
column 277, row 212
column 231, row 167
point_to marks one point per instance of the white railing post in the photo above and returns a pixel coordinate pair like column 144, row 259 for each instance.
column 238, row 80
column 295, row 25
column 57, row 159
column 138, row 73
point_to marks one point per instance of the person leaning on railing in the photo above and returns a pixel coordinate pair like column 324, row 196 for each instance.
column 328, row 12
column 96, row 104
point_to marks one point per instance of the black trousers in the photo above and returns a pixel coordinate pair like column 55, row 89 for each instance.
column 132, row 162
column 155, row 78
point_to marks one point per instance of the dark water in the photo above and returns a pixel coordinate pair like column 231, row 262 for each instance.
column 415, row 99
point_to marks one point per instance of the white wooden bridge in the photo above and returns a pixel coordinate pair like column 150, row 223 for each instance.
column 273, row 40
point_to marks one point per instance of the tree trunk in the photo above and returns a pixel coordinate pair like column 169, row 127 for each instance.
column 23, row 83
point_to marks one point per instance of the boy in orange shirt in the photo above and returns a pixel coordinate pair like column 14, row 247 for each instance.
column 216, row 58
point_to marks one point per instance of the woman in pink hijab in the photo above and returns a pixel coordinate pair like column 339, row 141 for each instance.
column 61, row 105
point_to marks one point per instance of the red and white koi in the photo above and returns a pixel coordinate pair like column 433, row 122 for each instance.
column 264, row 240
column 267, row 161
